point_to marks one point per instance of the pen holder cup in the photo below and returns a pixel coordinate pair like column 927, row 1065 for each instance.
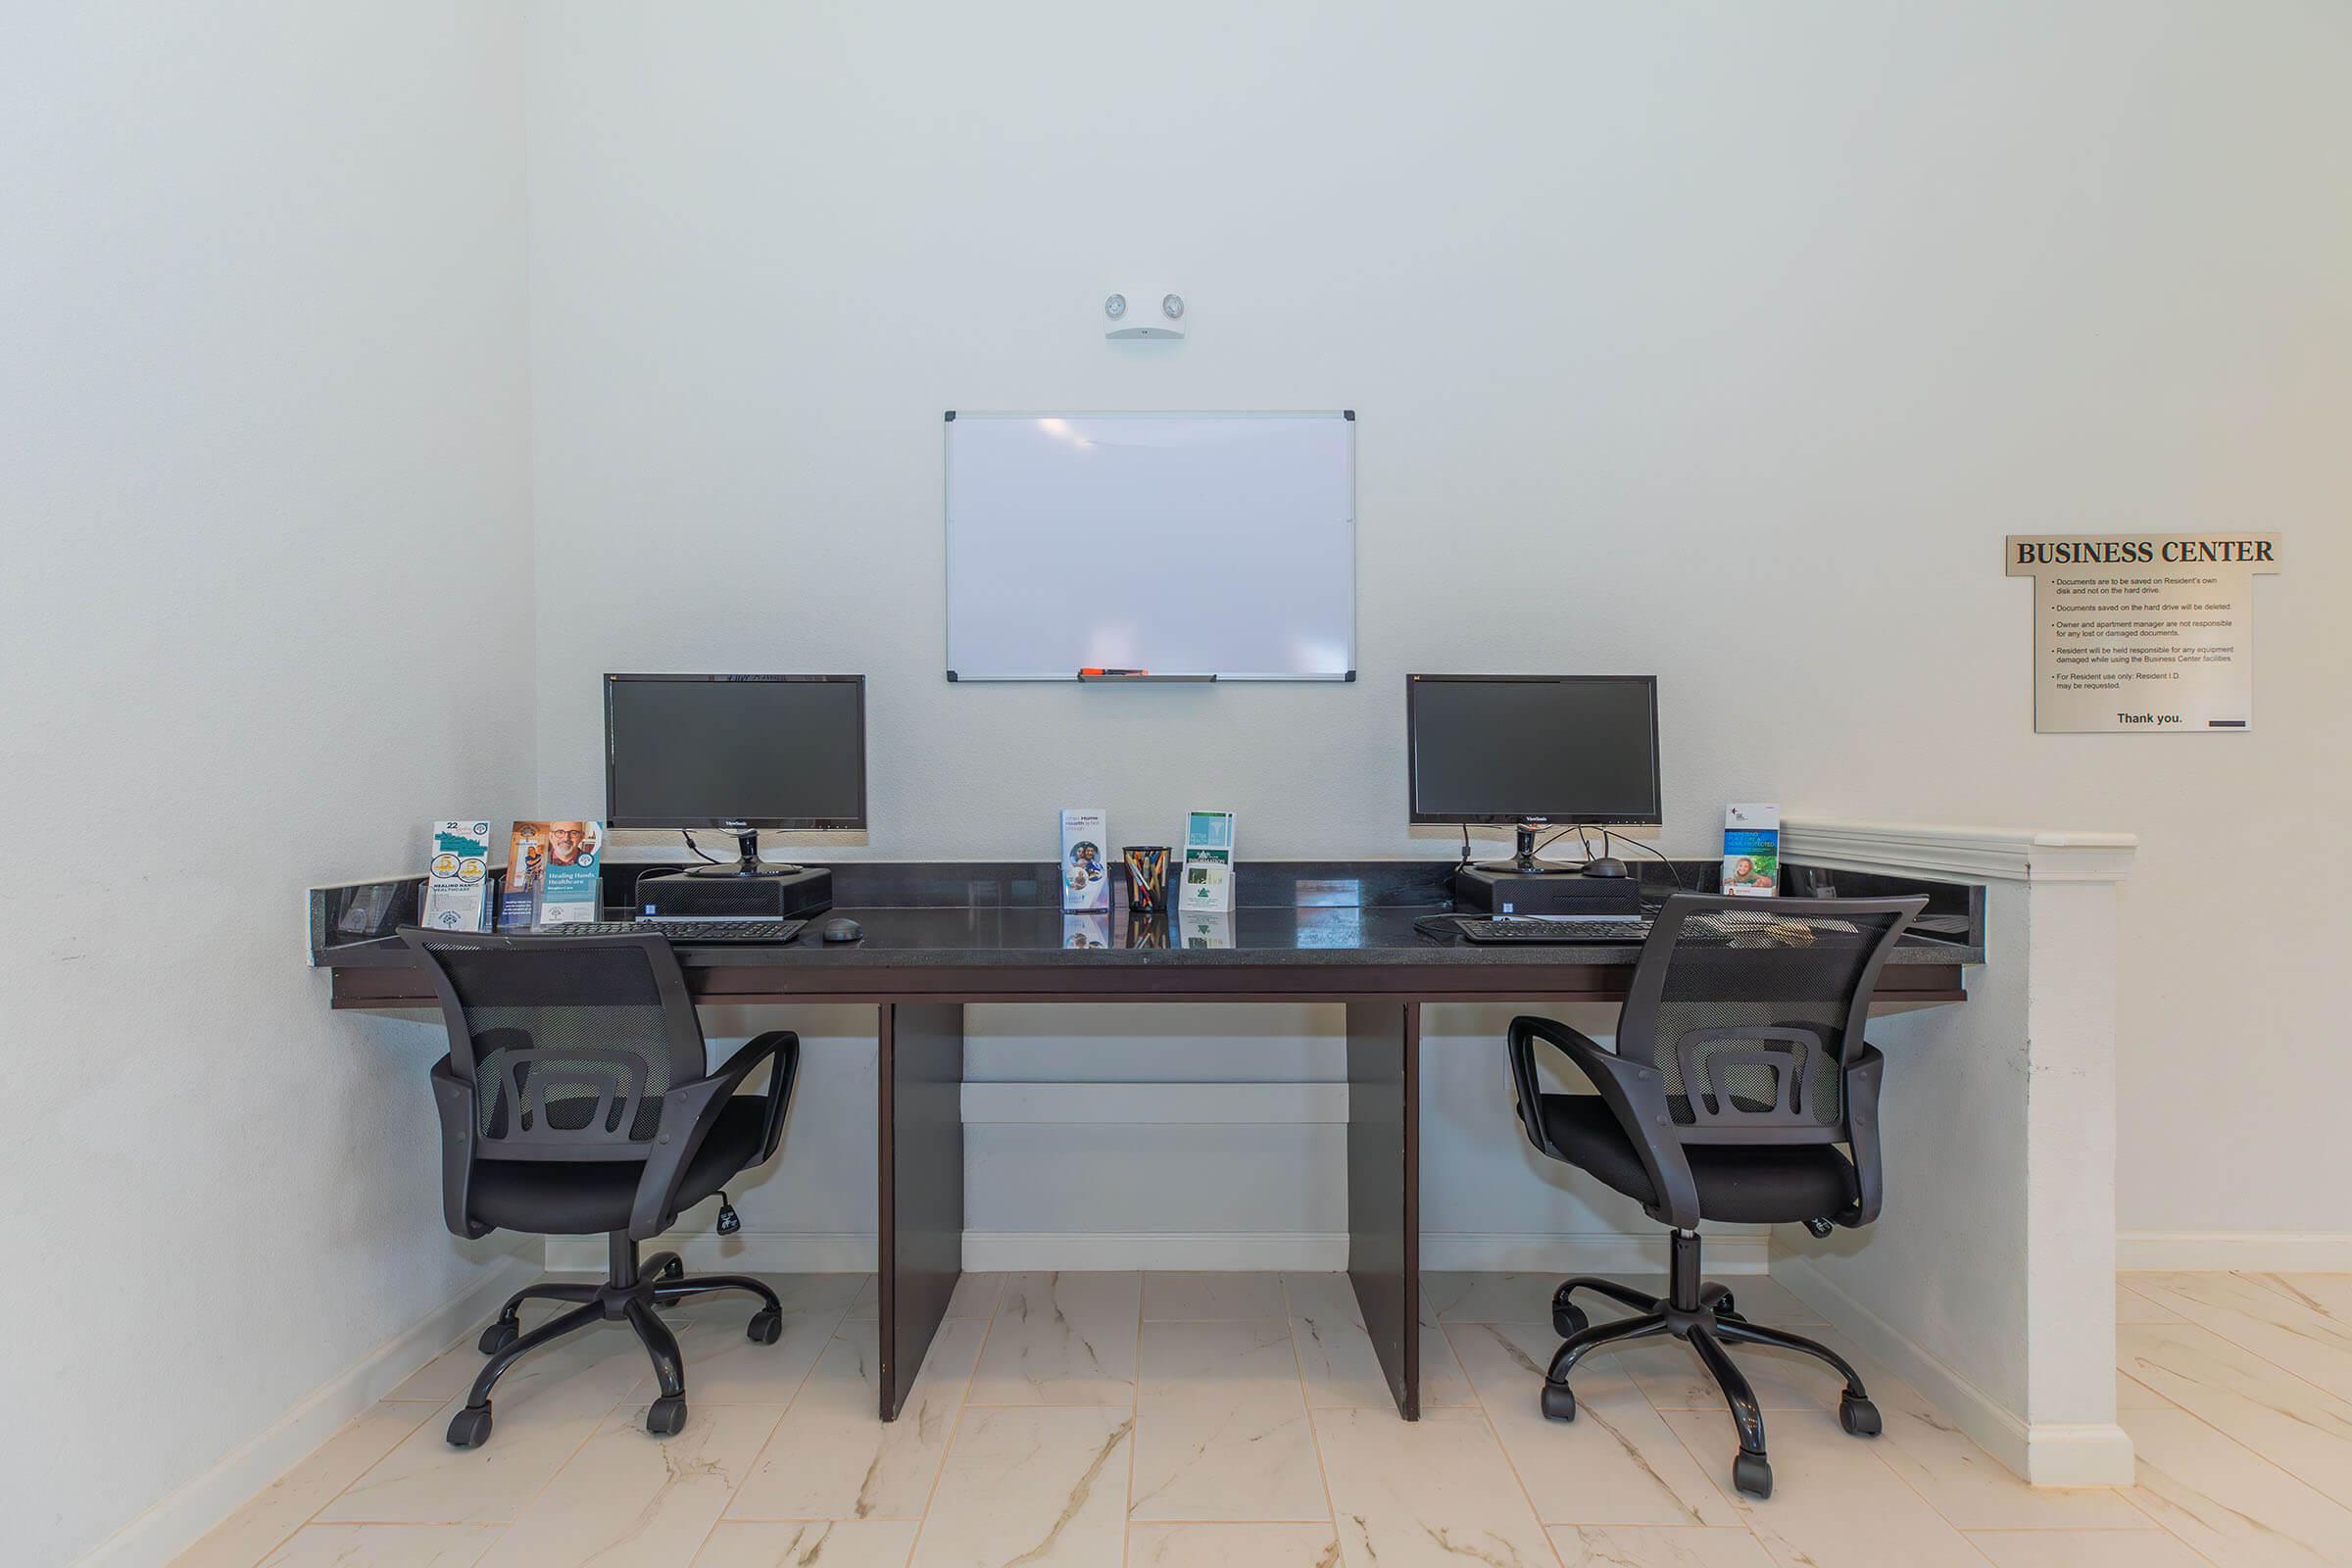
column 1147, row 877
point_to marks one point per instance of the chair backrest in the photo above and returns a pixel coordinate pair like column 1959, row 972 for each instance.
column 570, row 1043
column 1748, row 1008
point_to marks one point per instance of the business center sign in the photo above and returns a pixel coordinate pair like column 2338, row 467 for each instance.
column 2142, row 631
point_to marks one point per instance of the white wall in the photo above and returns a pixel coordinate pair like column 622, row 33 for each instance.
column 265, row 611
column 1720, row 341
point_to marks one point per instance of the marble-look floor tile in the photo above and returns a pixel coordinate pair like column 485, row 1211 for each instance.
column 724, row 1366
column 832, row 1457
column 1222, row 1545
column 1962, row 1481
column 2303, row 1430
column 1835, row 1503
column 1061, row 1338
column 2133, row 1395
column 612, row 1347
column 383, row 1546
column 810, row 1544
column 629, row 1499
column 1435, row 1493
column 2133, row 1307
column 2083, row 1548
column 1623, row 1547
column 1325, row 1298
column 976, row 1296
column 542, row 1411
column 2288, row 1327
column 1617, row 1462
column 1342, row 1369
column 1041, row 1487
column 1205, row 1298
column 2229, row 1502
column 282, row 1507
column 2329, row 1295
column 1221, row 1427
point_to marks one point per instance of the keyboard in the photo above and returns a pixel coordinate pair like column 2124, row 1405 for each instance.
column 681, row 930
column 1482, row 928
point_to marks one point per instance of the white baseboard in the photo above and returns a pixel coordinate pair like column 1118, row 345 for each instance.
column 1586, row 1252
column 744, row 1253
column 183, row 1518
column 2047, row 1453
column 1317, row 1252
column 2252, row 1252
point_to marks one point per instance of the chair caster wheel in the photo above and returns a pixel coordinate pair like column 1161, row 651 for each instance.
column 1559, row 1402
column 665, row 1417
column 674, row 1269
column 767, row 1326
column 1729, row 1309
column 1751, row 1473
column 469, row 1427
column 1859, row 1418
column 1567, row 1319
column 497, row 1335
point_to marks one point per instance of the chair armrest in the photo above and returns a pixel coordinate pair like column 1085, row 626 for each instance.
column 687, row 1112
column 1634, row 1092
column 784, row 1046
column 452, row 1097
column 1862, row 1074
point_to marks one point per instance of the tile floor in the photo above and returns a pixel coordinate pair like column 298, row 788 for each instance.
column 1239, row 1421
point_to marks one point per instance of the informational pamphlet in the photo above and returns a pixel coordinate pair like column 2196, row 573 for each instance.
column 456, row 880
column 1207, row 884
column 1085, row 883
column 551, row 875
column 1752, row 851
column 1085, row 930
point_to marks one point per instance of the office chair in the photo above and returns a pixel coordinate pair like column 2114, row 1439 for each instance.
column 576, row 1099
column 1740, row 1067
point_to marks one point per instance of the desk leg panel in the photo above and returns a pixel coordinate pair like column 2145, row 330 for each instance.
column 1384, row 1187
column 918, row 1084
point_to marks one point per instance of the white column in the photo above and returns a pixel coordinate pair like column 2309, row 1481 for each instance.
column 1988, row 1282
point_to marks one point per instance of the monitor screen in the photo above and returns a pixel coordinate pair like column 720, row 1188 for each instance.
column 702, row 751
column 1533, row 747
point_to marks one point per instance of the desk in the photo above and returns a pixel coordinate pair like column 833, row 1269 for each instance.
column 942, row 934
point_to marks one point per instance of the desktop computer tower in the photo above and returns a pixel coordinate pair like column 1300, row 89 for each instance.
column 768, row 896
column 1487, row 891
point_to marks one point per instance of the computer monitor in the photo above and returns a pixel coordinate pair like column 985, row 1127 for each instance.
column 1531, row 749
column 738, row 752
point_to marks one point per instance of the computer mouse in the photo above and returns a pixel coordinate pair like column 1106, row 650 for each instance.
column 843, row 930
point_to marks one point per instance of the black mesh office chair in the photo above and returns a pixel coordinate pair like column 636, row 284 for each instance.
column 576, row 1099
column 1739, row 1069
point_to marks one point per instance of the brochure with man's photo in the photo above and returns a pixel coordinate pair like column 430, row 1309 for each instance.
column 551, row 875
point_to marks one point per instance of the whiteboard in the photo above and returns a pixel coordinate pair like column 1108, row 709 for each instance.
column 1184, row 545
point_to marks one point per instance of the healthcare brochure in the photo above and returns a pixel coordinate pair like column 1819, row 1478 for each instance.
column 456, row 881
column 1752, row 851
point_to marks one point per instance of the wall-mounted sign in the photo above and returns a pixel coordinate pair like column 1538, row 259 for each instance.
column 2142, row 631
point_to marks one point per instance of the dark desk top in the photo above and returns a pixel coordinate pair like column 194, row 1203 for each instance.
column 987, row 929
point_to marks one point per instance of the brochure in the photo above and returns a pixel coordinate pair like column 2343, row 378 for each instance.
column 457, row 882
column 550, row 874
column 1085, row 884
column 1207, row 884
column 1752, row 851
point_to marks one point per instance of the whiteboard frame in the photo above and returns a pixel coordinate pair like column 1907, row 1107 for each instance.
column 948, row 523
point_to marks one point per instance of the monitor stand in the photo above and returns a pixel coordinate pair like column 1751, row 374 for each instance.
column 1524, row 863
column 747, row 864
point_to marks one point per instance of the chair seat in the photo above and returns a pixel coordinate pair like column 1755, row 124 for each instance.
column 1751, row 1184
column 588, row 1196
